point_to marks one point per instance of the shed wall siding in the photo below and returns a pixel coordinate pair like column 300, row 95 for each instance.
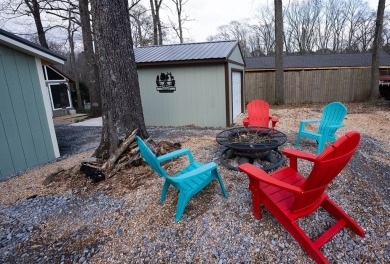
column 25, row 139
column 305, row 86
column 236, row 56
column 199, row 98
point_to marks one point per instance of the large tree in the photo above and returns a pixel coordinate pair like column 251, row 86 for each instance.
column 155, row 6
column 26, row 8
column 181, row 19
column 142, row 26
column 279, row 70
column 375, row 50
column 121, row 99
column 93, row 83
column 35, row 11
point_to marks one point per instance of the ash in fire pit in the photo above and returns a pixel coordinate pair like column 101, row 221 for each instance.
column 252, row 144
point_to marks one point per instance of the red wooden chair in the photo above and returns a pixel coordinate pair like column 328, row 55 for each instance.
column 258, row 115
column 290, row 196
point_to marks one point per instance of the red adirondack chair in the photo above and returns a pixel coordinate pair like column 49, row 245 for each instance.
column 290, row 196
column 258, row 115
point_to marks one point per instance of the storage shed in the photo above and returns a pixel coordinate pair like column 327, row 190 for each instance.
column 27, row 136
column 198, row 84
column 318, row 78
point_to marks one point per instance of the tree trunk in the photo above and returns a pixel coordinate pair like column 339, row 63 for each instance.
column 160, row 34
column 93, row 75
column 377, row 45
column 179, row 8
column 73, row 61
column 155, row 37
column 78, row 93
column 279, row 71
column 121, row 98
column 157, row 28
column 35, row 11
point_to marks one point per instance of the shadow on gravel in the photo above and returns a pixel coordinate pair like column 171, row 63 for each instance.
column 76, row 139
column 368, row 164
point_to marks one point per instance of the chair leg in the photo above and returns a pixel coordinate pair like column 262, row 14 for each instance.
column 256, row 197
column 339, row 213
column 297, row 141
column 321, row 145
column 218, row 176
column 306, row 243
column 256, row 204
column 181, row 205
column 164, row 191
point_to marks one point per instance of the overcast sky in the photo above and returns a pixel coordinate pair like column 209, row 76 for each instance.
column 209, row 14
column 206, row 15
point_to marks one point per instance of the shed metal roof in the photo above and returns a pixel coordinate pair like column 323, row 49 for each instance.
column 185, row 52
column 29, row 47
column 318, row 61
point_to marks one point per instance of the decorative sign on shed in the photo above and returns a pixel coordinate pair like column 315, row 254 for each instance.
column 165, row 83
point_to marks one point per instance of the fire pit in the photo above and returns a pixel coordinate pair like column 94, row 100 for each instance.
column 252, row 144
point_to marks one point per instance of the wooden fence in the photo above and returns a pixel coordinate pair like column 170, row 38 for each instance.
column 311, row 86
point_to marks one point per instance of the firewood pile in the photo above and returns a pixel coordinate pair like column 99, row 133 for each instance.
column 125, row 156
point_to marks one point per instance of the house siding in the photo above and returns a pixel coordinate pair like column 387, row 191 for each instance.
column 199, row 98
column 25, row 139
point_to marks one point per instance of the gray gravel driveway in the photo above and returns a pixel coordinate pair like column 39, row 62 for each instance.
column 76, row 139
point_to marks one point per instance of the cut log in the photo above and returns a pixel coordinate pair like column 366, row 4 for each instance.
column 111, row 161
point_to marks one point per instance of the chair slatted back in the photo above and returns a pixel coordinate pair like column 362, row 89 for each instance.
column 150, row 158
column 258, row 113
column 326, row 167
column 333, row 114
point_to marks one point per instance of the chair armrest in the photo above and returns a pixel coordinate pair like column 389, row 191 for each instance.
column 293, row 155
column 175, row 154
column 205, row 168
column 274, row 120
column 303, row 123
column 309, row 121
column 332, row 128
column 245, row 122
column 336, row 126
column 260, row 175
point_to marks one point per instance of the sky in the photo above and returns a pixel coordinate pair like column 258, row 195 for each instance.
column 206, row 15
column 209, row 14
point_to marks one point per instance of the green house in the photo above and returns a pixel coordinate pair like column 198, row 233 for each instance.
column 27, row 136
column 197, row 84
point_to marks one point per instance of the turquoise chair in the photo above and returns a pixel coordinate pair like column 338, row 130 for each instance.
column 332, row 117
column 188, row 181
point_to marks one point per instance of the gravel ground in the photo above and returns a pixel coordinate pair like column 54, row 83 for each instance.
column 109, row 223
column 76, row 139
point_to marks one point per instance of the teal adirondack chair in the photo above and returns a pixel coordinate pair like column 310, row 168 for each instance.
column 332, row 117
column 188, row 181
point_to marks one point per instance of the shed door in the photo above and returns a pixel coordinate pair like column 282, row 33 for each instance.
column 236, row 82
